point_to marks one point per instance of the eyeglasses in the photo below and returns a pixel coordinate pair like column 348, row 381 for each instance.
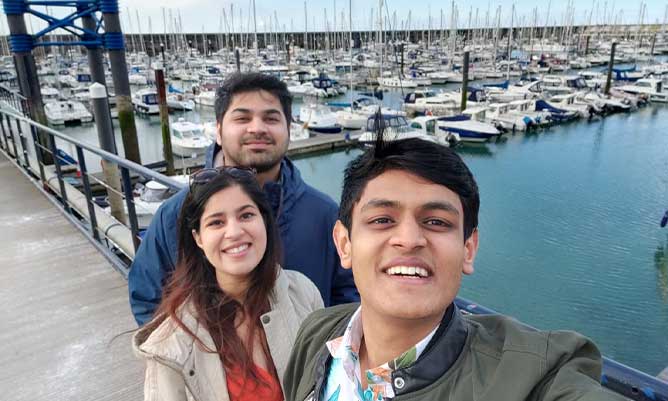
column 205, row 175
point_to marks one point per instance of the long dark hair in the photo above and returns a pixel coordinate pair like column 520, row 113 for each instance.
column 194, row 280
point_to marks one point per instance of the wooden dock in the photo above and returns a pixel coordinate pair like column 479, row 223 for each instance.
column 321, row 142
column 62, row 304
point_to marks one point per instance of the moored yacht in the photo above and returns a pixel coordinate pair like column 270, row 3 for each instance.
column 652, row 88
column 188, row 138
column 67, row 112
column 145, row 101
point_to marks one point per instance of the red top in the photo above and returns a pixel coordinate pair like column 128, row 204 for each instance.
column 241, row 388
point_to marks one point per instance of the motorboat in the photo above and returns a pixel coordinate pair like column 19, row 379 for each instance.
column 609, row 104
column 394, row 128
column 67, row 112
column 355, row 117
column 428, row 101
column 149, row 197
column 563, row 84
column 469, row 125
column 527, row 108
column 572, row 102
column 319, row 118
column 652, row 88
column 206, row 98
column 428, row 125
column 499, row 115
column 558, row 115
column 298, row 132
column 179, row 102
column 188, row 138
column 397, row 82
column 49, row 94
column 145, row 101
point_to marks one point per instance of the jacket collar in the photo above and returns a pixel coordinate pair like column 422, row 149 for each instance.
column 441, row 353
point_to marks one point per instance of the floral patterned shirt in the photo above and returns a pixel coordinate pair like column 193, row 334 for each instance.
column 343, row 380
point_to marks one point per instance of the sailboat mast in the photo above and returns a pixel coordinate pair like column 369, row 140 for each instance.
column 350, row 49
column 510, row 40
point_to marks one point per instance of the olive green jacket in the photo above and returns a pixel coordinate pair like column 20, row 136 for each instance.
column 470, row 358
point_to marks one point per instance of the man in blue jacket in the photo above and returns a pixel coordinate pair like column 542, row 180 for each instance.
column 253, row 114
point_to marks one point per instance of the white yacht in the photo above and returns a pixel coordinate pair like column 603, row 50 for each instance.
column 179, row 102
column 67, row 112
column 469, row 125
column 499, row 114
column 319, row 118
column 206, row 98
column 394, row 128
column 49, row 94
column 396, row 82
column 188, row 139
column 298, row 132
column 650, row 87
column 145, row 101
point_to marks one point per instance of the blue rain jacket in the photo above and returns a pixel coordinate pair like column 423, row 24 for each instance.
column 305, row 218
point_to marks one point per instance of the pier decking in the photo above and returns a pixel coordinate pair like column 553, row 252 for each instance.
column 62, row 303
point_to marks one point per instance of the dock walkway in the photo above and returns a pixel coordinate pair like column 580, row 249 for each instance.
column 62, row 303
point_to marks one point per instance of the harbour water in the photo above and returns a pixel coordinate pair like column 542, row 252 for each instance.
column 569, row 221
column 569, row 228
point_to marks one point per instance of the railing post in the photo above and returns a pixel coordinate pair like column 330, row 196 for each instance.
column 59, row 174
column 3, row 142
column 39, row 148
column 89, row 194
column 24, row 144
column 129, row 201
column 11, row 134
column 105, row 133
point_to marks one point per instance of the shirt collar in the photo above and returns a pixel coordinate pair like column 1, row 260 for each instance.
column 346, row 349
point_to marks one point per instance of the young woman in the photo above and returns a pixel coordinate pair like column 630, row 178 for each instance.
column 230, row 314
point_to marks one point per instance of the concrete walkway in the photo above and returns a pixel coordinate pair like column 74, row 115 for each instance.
column 61, row 303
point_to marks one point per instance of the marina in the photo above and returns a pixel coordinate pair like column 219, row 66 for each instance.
column 563, row 125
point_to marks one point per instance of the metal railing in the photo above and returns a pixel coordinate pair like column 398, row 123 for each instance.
column 28, row 142
column 14, row 126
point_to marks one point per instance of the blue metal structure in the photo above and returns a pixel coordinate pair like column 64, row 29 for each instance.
column 91, row 39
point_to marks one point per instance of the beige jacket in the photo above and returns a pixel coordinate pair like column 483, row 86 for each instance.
column 178, row 370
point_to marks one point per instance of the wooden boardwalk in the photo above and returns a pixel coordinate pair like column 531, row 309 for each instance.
column 61, row 305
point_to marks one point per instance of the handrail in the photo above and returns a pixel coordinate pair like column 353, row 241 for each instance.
column 138, row 168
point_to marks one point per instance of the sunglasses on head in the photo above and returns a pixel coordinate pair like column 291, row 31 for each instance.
column 205, row 175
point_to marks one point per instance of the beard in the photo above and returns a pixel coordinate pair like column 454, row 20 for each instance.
column 260, row 160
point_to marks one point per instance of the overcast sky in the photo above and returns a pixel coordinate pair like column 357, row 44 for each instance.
column 207, row 15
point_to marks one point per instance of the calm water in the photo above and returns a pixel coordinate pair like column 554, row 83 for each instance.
column 569, row 222
column 569, row 228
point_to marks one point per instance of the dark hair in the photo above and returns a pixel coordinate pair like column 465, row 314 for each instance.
column 249, row 82
column 431, row 161
column 194, row 279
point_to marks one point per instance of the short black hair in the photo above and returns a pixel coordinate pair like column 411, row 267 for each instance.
column 249, row 82
column 431, row 161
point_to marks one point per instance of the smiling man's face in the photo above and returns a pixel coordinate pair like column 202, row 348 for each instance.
column 406, row 246
column 254, row 131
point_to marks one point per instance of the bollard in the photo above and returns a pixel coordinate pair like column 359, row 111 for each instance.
column 105, row 133
column 465, row 81
column 164, row 120
column 608, row 81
